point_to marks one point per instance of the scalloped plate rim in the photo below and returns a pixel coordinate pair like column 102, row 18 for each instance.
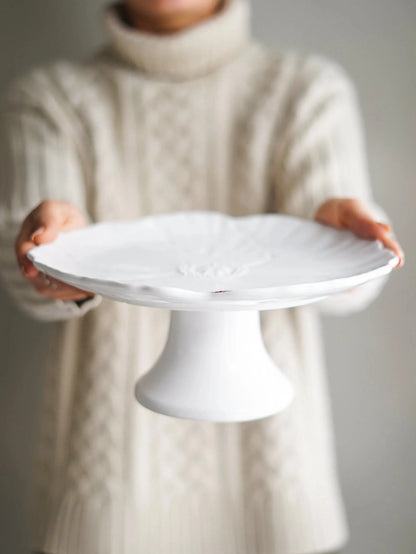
column 170, row 293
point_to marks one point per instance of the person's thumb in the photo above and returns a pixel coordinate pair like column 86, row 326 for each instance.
column 51, row 217
column 46, row 231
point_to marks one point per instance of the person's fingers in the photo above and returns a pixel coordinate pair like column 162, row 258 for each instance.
column 392, row 244
column 42, row 225
column 53, row 288
column 357, row 218
column 22, row 246
column 53, row 217
column 46, row 219
column 49, row 218
column 353, row 214
column 328, row 213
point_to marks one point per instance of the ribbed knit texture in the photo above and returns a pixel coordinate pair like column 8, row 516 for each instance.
column 203, row 119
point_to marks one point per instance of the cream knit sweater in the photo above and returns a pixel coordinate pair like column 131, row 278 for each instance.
column 206, row 118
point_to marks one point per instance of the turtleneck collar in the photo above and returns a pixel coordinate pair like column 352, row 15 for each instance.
column 184, row 54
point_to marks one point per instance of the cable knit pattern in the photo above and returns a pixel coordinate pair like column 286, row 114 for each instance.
column 205, row 119
column 174, row 146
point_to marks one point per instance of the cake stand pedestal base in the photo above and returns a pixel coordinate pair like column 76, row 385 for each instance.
column 215, row 367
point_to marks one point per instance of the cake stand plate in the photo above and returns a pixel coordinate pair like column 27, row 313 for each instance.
column 215, row 273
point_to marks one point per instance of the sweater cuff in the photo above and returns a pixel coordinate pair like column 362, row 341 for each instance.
column 81, row 306
column 79, row 303
column 57, row 310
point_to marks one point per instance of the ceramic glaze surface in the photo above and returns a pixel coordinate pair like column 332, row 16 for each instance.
column 215, row 273
column 208, row 260
column 215, row 367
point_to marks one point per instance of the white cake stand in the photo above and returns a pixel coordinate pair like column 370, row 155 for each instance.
column 215, row 273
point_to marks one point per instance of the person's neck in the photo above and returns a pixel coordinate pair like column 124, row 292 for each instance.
column 167, row 24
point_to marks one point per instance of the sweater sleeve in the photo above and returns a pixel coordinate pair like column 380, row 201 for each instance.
column 323, row 156
column 37, row 162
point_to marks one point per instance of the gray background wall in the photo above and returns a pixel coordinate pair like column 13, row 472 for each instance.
column 370, row 355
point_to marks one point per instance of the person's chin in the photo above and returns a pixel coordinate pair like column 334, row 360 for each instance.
column 173, row 6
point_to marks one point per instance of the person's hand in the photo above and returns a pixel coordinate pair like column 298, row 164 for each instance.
column 40, row 226
column 352, row 214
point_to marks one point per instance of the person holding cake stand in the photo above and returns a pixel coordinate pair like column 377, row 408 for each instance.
column 181, row 110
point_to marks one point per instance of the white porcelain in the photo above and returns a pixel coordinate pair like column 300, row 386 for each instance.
column 215, row 367
column 215, row 272
column 207, row 260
